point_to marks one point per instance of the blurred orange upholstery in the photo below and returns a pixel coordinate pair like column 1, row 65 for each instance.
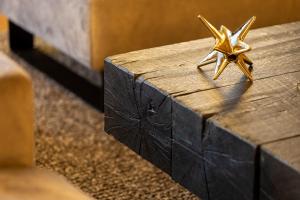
column 3, row 23
column 16, row 115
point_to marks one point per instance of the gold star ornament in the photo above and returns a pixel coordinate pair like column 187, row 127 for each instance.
column 229, row 47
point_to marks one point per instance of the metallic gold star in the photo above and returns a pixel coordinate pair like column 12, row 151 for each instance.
column 229, row 47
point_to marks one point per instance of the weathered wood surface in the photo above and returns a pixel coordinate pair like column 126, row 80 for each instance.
column 36, row 184
column 139, row 116
column 267, row 111
column 217, row 127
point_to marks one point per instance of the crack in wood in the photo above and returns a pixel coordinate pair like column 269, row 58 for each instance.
column 217, row 133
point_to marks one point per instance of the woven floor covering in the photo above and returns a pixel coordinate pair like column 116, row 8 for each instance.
column 70, row 140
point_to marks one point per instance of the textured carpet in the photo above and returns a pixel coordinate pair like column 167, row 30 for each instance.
column 70, row 140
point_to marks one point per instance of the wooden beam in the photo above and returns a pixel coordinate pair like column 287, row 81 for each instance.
column 217, row 127
column 138, row 115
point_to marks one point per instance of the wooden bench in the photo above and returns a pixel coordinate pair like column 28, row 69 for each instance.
column 224, row 139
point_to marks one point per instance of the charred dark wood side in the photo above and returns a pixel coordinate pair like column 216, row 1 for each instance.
column 229, row 164
column 278, row 181
column 280, row 174
column 187, row 126
column 218, row 128
column 138, row 115
column 187, row 157
column 209, row 160
column 188, row 169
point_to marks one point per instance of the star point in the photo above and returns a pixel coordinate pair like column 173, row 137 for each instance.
column 229, row 47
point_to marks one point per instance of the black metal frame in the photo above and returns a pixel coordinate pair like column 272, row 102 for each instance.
column 22, row 44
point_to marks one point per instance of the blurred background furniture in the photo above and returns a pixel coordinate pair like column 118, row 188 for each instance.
column 89, row 31
column 16, row 115
column 19, row 178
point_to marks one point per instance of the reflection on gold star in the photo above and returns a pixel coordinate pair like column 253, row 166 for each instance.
column 229, row 47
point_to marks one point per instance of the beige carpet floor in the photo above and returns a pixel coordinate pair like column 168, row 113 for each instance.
column 70, row 140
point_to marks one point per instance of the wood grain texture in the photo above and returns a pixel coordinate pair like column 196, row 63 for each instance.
column 229, row 164
column 172, row 68
column 219, row 126
column 280, row 169
column 187, row 157
column 188, row 169
column 267, row 111
column 138, row 115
